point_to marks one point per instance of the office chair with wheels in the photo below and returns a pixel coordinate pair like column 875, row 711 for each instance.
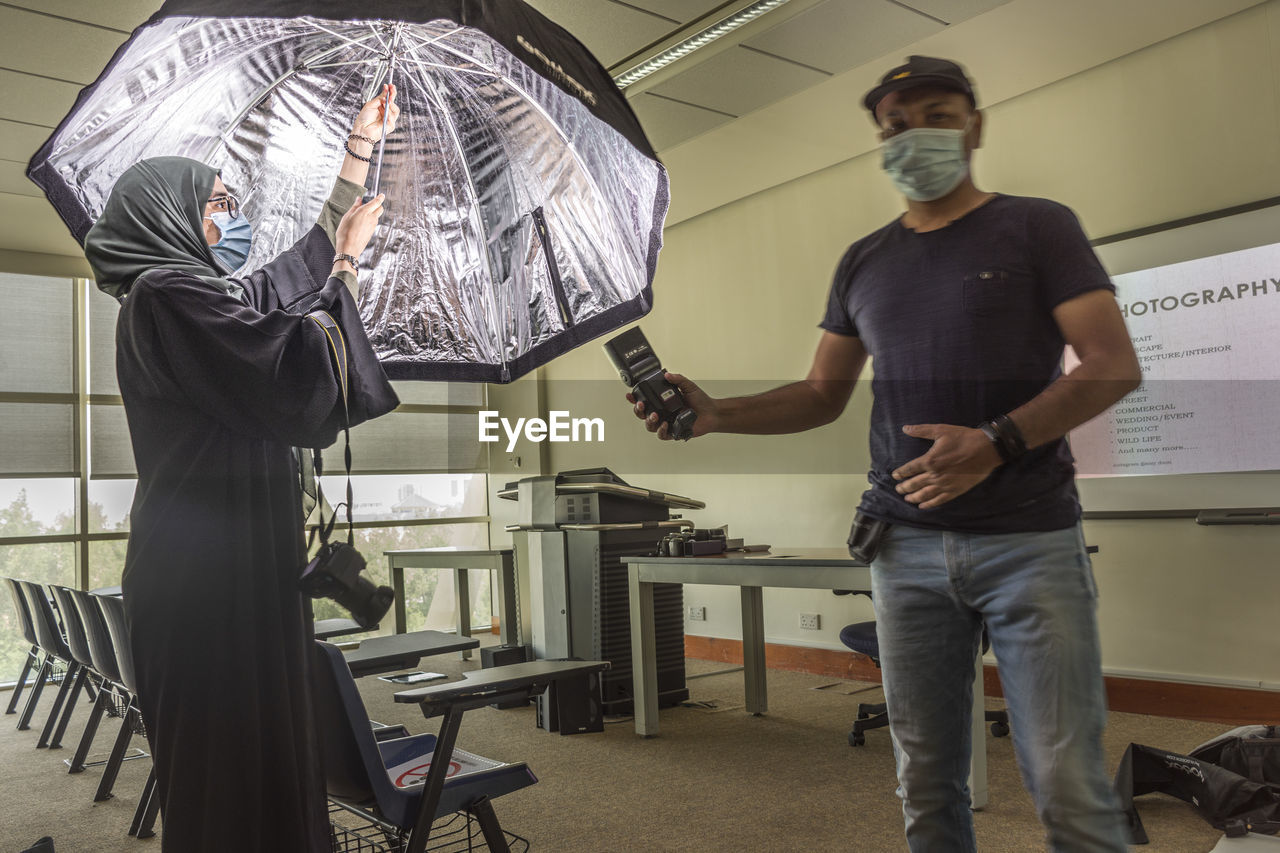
column 402, row 785
column 861, row 638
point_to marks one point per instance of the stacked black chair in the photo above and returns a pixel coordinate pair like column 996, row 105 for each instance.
column 102, row 654
column 78, row 643
column 57, row 658
column 149, row 804
column 32, row 661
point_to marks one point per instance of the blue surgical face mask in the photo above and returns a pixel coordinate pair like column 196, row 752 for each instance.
column 232, row 248
column 925, row 163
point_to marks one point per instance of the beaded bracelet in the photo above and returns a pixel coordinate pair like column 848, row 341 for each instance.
column 346, row 143
column 351, row 259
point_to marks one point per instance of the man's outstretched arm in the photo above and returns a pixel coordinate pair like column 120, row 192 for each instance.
column 813, row 402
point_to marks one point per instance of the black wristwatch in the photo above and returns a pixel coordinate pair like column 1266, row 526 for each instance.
column 351, row 259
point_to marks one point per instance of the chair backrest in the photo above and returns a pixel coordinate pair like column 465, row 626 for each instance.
column 24, row 612
column 349, row 752
column 48, row 633
column 101, row 650
column 73, row 625
column 113, row 614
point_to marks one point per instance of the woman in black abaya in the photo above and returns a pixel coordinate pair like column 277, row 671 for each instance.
column 220, row 377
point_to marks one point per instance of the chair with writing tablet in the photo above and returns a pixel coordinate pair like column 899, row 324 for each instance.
column 406, row 790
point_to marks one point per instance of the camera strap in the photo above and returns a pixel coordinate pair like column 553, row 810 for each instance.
column 338, row 348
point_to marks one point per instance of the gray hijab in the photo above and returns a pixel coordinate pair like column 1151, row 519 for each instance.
column 153, row 220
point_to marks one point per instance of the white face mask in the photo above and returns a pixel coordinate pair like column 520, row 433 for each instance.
column 234, row 241
column 925, row 163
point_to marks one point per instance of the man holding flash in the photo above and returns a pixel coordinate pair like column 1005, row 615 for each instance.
column 965, row 303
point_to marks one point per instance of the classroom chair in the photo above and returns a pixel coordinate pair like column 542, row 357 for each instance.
column 402, row 785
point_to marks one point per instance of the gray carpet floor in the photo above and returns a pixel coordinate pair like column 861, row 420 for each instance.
column 716, row 779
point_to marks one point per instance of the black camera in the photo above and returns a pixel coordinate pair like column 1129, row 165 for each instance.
column 693, row 543
column 334, row 573
column 639, row 367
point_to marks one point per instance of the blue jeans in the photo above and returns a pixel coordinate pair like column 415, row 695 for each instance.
column 933, row 590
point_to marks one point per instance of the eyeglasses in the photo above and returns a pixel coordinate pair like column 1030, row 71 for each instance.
column 226, row 202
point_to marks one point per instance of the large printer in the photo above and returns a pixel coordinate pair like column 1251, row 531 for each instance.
column 573, row 530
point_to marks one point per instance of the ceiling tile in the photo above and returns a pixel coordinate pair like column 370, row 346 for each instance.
column 840, row 34
column 668, row 123
column 953, row 11
column 35, row 100
column 82, row 51
column 683, row 11
column 738, row 81
column 32, row 225
column 124, row 15
column 610, row 31
column 13, row 180
column 19, row 141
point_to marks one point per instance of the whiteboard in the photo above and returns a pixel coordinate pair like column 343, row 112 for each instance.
column 1187, row 245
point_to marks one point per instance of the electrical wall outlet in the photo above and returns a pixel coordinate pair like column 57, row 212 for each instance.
column 697, row 613
column 810, row 621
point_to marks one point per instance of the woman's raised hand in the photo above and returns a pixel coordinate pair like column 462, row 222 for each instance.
column 357, row 226
column 368, row 121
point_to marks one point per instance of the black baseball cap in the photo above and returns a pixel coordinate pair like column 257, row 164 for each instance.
column 921, row 71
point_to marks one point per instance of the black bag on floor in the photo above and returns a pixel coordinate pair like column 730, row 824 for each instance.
column 1232, row 780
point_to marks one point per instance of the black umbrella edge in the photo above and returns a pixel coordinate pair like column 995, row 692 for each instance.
column 543, row 45
column 571, row 338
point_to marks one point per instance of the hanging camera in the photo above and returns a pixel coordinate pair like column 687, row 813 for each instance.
column 334, row 572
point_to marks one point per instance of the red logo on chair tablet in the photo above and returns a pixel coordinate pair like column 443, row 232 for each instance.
column 418, row 775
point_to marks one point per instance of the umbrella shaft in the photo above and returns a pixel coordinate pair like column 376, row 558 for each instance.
column 386, row 111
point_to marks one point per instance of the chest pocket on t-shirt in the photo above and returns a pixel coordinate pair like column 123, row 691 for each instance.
column 990, row 292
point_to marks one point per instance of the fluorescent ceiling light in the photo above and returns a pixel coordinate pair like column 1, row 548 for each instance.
column 701, row 39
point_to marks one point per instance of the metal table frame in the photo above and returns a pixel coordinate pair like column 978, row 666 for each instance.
column 501, row 562
column 800, row 568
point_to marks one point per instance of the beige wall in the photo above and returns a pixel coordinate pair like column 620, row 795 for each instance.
column 1179, row 127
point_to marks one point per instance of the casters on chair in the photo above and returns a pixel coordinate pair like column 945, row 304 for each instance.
column 999, row 729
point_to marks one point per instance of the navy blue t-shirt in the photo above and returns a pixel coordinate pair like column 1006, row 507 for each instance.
column 959, row 327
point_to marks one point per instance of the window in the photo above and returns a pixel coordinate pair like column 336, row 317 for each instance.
column 67, row 476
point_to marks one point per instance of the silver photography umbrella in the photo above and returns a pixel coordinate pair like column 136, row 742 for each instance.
column 524, row 203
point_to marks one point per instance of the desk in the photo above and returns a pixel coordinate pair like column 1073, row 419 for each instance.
column 460, row 561
column 796, row 568
column 377, row 655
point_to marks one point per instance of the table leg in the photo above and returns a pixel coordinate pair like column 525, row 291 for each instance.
column 753, row 650
column 644, row 656
column 397, row 584
column 463, row 590
column 978, row 750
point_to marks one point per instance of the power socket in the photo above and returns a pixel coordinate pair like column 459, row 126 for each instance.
column 810, row 621
column 697, row 613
